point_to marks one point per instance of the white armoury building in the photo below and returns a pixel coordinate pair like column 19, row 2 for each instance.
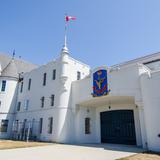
column 54, row 102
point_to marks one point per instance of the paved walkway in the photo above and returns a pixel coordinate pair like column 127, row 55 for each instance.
column 70, row 152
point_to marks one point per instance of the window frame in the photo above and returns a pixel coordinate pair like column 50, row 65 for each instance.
column 40, row 125
column 44, row 79
column 78, row 75
column 29, row 84
column 4, row 127
column 3, row 86
column 87, row 125
column 52, row 100
column 21, row 87
column 50, row 125
column 42, row 101
column 19, row 106
column 26, row 104
column 54, row 74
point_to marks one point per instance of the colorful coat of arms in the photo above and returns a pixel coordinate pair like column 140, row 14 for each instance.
column 100, row 84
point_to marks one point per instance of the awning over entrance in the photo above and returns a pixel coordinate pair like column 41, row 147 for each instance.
column 107, row 100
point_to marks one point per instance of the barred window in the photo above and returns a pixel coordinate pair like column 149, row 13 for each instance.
column 42, row 102
column 26, row 104
column 29, row 84
column 78, row 75
column 54, row 74
column 52, row 100
column 18, row 106
column 15, row 125
column 50, row 125
column 40, row 125
column 3, row 88
column 4, row 125
column 21, row 89
column 44, row 79
column 87, row 126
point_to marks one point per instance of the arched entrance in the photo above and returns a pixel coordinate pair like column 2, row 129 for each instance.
column 118, row 127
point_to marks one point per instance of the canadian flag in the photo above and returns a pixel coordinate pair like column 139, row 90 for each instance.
column 68, row 18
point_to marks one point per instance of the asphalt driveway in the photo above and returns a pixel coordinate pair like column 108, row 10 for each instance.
column 70, row 152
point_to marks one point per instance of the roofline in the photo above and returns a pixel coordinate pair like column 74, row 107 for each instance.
column 9, row 77
column 80, row 62
column 18, row 59
column 136, row 60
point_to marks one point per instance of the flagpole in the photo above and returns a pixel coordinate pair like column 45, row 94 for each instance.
column 65, row 34
column 65, row 49
column 67, row 18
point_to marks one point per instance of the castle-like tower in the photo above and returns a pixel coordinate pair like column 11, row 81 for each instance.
column 64, row 113
column 43, row 109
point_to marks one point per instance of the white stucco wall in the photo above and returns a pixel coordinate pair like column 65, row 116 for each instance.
column 122, row 82
column 129, row 79
column 63, row 118
column 8, row 102
column 151, row 98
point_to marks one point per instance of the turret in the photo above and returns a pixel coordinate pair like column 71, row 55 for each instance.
column 64, row 113
column 0, row 69
column 8, row 90
column 10, row 70
column 64, row 67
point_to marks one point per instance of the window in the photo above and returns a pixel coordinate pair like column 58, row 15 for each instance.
column 44, row 79
column 29, row 84
column 52, row 100
column 87, row 126
column 15, row 125
column 42, row 102
column 40, row 125
column 54, row 74
column 153, row 65
column 50, row 125
column 3, row 88
column 4, row 125
column 24, row 124
column 21, row 88
column 26, row 104
column 19, row 106
column 78, row 75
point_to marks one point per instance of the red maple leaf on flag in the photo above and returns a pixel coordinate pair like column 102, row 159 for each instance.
column 68, row 18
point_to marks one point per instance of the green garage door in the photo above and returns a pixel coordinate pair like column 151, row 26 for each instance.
column 118, row 127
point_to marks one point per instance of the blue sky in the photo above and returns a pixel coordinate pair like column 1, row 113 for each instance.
column 106, row 32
